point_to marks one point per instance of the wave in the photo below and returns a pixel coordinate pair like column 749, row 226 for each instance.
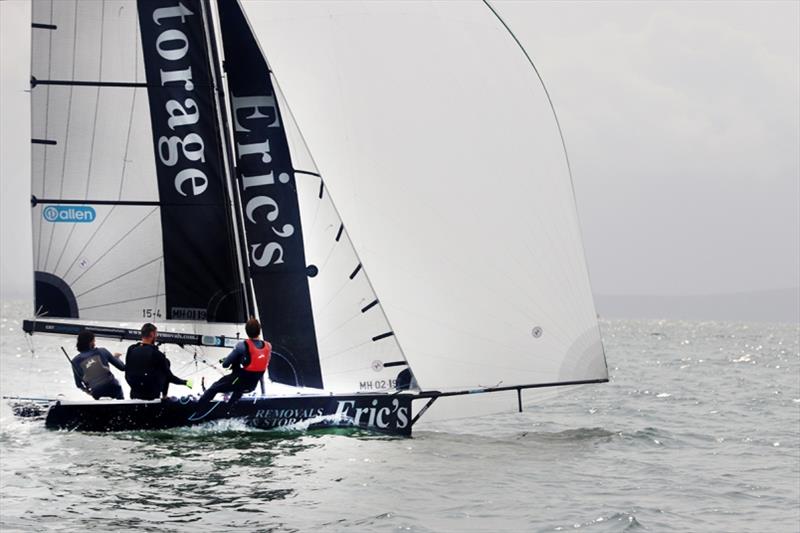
column 578, row 434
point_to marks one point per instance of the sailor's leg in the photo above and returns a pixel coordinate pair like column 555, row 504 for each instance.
column 246, row 382
column 237, row 393
column 224, row 384
column 116, row 391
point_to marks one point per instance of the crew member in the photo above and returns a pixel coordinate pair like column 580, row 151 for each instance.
column 148, row 370
column 90, row 368
column 248, row 362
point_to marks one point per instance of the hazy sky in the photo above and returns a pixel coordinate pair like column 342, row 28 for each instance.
column 682, row 122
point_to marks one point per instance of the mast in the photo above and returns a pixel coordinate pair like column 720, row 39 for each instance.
column 229, row 160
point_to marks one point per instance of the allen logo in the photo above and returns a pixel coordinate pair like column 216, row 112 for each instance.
column 69, row 213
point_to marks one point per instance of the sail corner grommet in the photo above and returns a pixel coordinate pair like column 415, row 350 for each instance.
column 312, row 271
column 537, row 332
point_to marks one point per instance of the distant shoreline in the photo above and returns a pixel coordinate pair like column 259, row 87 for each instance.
column 780, row 305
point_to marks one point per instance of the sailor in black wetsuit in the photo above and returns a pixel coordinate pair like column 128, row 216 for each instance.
column 248, row 362
column 147, row 370
column 90, row 368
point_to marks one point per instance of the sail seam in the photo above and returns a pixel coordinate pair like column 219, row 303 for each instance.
column 46, row 129
column 133, row 105
column 94, row 134
column 122, row 301
column 131, row 271
column 114, row 245
column 66, row 129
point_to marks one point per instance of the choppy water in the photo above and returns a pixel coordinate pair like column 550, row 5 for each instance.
column 699, row 430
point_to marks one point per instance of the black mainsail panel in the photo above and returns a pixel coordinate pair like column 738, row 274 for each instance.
column 200, row 258
column 271, row 216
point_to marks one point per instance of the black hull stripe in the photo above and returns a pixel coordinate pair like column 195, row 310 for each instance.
column 39, row 26
column 43, row 141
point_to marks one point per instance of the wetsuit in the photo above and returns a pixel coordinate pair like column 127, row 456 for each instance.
column 148, row 372
column 247, row 370
column 91, row 372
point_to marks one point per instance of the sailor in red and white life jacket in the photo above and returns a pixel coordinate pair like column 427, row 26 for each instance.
column 248, row 362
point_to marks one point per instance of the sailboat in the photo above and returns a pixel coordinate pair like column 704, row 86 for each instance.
column 404, row 227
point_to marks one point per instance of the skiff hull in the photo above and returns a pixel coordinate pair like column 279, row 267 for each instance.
column 383, row 413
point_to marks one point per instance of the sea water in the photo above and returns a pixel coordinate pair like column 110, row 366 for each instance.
column 698, row 430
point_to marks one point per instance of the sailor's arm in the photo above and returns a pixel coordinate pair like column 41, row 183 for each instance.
column 235, row 357
column 112, row 359
column 166, row 368
column 78, row 379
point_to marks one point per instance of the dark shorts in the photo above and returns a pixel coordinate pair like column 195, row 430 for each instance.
column 111, row 389
column 147, row 387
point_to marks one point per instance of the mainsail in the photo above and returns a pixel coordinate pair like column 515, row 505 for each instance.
column 130, row 209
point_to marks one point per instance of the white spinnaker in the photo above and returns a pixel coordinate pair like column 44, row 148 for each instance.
column 103, row 151
column 441, row 151
column 352, row 331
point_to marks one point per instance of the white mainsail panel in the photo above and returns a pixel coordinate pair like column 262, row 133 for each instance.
column 451, row 179
column 94, row 143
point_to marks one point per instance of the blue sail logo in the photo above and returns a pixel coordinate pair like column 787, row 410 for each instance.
column 69, row 213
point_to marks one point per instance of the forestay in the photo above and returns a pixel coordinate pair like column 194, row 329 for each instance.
column 451, row 178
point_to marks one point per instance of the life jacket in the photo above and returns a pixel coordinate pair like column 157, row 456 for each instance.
column 95, row 372
column 258, row 358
